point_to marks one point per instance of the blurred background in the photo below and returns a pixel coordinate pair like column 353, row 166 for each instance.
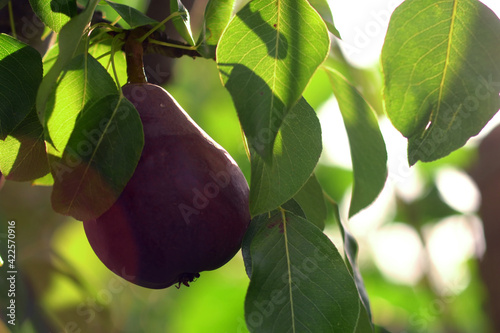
column 423, row 251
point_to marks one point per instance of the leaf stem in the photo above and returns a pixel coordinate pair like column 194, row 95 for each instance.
column 46, row 33
column 329, row 198
column 115, row 45
column 116, row 21
column 159, row 25
column 245, row 143
column 103, row 55
column 283, row 218
column 11, row 19
column 105, row 25
column 179, row 46
column 170, row 48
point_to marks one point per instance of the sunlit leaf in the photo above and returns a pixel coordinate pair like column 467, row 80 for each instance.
column 368, row 80
column 102, row 51
column 295, row 153
column 90, row 156
column 54, row 13
column 132, row 16
column 50, row 57
column 442, row 75
column 324, row 10
column 22, row 153
column 217, row 15
column 299, row 282
column 368, row 153
column 83, row 81
column 46, row 180
column 69, row 41
column 98, row 159
column 266, row 57
column 182, row 22
column 21, row 74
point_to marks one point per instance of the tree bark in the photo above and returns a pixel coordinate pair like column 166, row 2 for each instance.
column 486, row 174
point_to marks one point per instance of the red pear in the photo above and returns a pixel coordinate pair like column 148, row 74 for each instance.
column 185, row 209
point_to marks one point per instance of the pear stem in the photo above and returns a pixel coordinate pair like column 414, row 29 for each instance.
column 134, row 51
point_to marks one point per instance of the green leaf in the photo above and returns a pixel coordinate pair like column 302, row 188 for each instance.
column 83, row 81
column 266, row 57
column 182, row 22
column 368, row 80
column 46, row 180
column 334, row 180
column 351, row 253
column 21, row 73
column 428, row 208
column 295, row 153
column 54, row 13
column 91, row 157
column 256, row 224
column 102, row 52
column 132, row 16
column 368, row 153
column 324, row 10
column 98, row 159
column 70, row 38
column 442, row 75
column 311, row 199
column 299, row 281
column 50, row 57
column 22, row 153
column 293, row 207
column 364, row 324
column 217, row 16
column 379, row 329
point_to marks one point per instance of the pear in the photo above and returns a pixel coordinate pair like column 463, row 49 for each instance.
column 184, row 210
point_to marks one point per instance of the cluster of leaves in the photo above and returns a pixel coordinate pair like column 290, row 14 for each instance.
column 65, row 123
